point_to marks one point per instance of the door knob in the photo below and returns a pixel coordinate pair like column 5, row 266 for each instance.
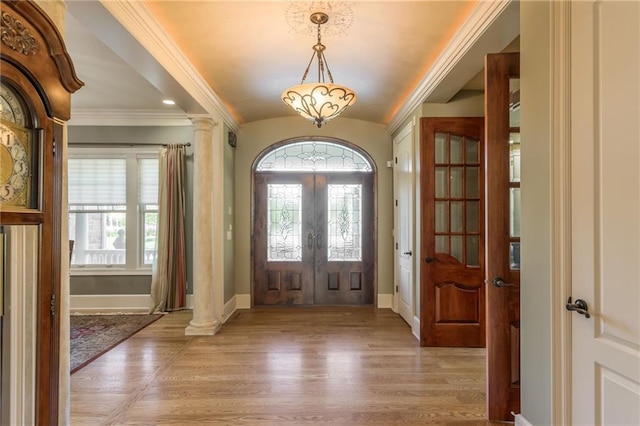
column 408, row 253
column 580, row 306
column 499, row 282
column 429, row 259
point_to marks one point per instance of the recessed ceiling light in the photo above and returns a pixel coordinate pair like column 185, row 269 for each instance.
column 168, row 102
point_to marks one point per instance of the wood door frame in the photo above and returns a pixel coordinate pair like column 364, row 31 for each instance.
column 374, row 219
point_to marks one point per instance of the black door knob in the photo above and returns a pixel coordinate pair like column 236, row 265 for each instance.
column 429, row 259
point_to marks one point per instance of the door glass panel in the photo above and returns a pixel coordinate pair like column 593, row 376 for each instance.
column 514, row 157
column 314, row 156
column 442, row 217
column 472, row 147
column 441, row 148
column 514, row 212
column 514, row 255
column 441, row 182
column 284, row 205
column 456, row 149
column 472, row 218
column 442, row 244
column 457, row 216
column 456, row 247
column 472, row 187
column 514, row 102
column 344, row 226
column 473, row 250
column 456, row 182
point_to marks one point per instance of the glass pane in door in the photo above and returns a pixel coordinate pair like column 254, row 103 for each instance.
column 284, row 227
column 344, row 225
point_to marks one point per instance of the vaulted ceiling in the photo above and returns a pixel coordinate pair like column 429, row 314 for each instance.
column 239, row 56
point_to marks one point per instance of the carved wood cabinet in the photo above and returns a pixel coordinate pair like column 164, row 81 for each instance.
column 37, row 79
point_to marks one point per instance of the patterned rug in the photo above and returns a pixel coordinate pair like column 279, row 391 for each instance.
column 93, row 335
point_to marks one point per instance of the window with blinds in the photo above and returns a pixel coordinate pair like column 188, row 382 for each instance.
column 113, row 210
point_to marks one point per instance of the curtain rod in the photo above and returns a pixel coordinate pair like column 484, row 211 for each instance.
column 99, row 144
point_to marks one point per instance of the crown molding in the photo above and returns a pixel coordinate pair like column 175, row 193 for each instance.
column 481, row 18
column 119, row 117
column 138, row 20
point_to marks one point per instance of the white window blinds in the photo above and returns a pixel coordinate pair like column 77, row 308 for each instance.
column 148, row 180
column 99, row 181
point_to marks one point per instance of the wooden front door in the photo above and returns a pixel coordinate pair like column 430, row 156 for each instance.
column 313, row 239
column 502, row 114
column 452, row 223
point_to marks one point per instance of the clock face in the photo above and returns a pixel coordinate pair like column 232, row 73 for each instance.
column 15, row 153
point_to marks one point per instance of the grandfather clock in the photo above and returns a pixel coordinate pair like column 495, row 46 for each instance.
column 37, row 79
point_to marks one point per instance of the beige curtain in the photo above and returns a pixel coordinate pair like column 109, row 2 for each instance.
column 169, row 282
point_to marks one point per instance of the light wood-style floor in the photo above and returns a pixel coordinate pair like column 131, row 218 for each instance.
column 282, row 366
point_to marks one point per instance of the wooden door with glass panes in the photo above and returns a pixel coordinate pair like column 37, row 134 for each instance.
column 313, row 239
column 452, row 232
column 502, row 115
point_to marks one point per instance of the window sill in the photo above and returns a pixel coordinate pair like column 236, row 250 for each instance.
column 108, row 271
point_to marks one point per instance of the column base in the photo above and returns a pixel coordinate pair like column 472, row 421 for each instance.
column 202, row 329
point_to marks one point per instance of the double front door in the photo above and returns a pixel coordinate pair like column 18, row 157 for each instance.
column 313, row 239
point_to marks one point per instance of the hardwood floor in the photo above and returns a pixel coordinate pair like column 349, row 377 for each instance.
column 273, row 366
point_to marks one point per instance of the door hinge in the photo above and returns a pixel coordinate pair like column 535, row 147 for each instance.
column 396, row 289
column 396, row 203
column 396, row 246
column 52, row 305
column 54, row 147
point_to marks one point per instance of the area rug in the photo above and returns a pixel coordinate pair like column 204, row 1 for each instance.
column 93, row 335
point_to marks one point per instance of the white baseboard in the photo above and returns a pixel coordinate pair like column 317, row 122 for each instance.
column 110, row 303
column 243, row 301
column 521, row 421
column 385, row 301
column 416, row 327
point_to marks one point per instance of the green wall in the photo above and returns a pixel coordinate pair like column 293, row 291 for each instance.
column 229, row 222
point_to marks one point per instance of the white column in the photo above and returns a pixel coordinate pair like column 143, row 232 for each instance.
column 205, row 321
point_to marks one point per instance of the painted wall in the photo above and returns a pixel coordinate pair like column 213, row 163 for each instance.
column 256, row 136
column 104, row 135
column 466, row 103
column 229, row 219
column 536, row 277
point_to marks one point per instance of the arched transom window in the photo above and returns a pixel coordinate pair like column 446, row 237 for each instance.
column 314, row 156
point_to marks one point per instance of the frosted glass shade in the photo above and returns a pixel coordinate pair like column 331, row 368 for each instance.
column 319, row 102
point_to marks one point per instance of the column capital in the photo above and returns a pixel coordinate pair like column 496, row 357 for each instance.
column 203, row 122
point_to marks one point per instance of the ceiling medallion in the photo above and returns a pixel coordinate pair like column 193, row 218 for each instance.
column 298, row 12
column 321, row 101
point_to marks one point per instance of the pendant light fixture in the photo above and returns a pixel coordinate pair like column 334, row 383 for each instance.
column 321, row 101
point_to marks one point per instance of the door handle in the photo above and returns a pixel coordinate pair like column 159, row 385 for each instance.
column 580, row 306
column 319, row 241
column 429, row 259
column 310, row 240
column 408, row 253
column 499, row 282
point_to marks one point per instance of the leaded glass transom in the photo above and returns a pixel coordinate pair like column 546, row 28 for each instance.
column 284, row 223
column 344, row 223
column 314, row 156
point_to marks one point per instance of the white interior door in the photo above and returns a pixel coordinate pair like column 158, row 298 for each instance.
column 403, row 174
column 605, row 151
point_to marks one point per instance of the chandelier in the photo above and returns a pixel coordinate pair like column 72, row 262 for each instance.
column 321, row 101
